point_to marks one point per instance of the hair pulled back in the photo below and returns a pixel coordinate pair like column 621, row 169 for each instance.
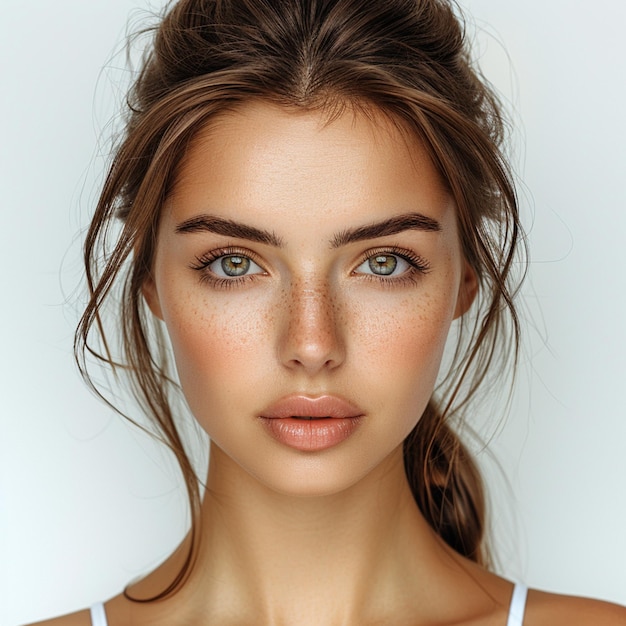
column 405, row 58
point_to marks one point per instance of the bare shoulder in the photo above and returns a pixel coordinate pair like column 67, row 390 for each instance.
column 549, row 609
column 80, row 618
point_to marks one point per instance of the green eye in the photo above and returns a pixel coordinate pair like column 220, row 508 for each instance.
column 234, row 265
column 383, row 264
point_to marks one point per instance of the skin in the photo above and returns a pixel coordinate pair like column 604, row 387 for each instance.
column 330, row 537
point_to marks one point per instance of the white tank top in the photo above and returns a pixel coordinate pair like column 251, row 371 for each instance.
column 516, row 610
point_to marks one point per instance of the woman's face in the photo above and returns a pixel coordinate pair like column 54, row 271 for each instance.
column 307, row 269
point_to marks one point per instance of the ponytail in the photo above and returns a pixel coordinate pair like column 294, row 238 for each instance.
column 446, row 484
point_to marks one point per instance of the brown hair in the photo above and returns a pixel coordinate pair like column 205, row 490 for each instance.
column 405, row 58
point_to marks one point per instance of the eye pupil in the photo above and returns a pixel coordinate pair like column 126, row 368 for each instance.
column 235, row 265
column 383, row 264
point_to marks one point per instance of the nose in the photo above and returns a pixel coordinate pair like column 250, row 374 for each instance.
column 311, row 338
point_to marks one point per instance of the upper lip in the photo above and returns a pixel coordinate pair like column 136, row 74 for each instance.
column 298, row 405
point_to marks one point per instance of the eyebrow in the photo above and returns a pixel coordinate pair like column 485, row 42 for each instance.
column 391, row 226
column 231, row 228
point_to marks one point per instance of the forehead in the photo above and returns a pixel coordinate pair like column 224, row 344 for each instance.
column 264, row 161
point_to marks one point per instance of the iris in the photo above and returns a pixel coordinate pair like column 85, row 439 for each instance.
column 383, row 264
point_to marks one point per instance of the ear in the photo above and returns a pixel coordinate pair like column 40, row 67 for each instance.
column 151, row 296
column 468, row 288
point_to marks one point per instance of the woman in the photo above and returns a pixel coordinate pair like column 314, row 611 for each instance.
column 313, row 200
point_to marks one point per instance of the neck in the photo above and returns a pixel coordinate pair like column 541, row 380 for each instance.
column 271, row 558
column 286, row 553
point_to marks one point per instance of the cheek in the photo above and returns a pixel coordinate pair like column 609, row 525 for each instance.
column 219, row 348
column 403, row 333
column 398, row 352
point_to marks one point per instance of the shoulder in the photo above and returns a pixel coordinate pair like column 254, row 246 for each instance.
column 80, row 618
column 549, row 609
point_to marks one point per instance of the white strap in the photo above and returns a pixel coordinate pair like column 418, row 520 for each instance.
column 518, row 605
column 98, row 616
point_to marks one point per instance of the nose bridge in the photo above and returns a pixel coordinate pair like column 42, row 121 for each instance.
column 312, row 336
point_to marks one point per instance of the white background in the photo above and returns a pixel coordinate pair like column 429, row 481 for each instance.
column 87, row 504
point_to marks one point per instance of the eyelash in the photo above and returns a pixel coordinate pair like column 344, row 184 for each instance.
column 417, row 267
column 202, row 263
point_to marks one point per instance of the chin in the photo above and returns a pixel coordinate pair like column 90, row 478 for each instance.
column 341, row 470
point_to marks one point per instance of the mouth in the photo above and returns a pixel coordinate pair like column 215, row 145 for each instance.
column 309, row 417
column 311, row 424
column 304, row 407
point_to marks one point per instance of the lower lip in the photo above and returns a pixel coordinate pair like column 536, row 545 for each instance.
column 311, row 435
